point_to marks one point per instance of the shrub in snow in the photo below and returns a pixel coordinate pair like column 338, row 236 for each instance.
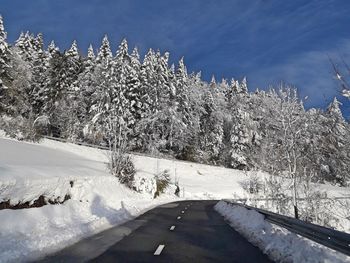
column 252, row 184
column 188, row 154
column 341, row 209
column 123, row 168
column 20, row 128
column 41, row 124
column 162, row 181
column 145, row 185
column 317, row 210
column 274, row 188
column 316, row 207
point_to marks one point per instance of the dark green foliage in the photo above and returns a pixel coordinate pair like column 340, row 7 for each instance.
column 188, row 153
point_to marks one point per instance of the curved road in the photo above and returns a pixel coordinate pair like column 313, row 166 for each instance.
column 187, row 231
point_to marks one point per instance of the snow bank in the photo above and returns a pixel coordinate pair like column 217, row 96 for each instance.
column 279, row 244
column 28, row 171
column 98, row 201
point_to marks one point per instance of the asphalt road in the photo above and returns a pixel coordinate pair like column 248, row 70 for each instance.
column 188, row 231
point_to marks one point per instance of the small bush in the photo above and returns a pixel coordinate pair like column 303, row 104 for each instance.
column 188, row 153
column 275, row 190
column 20, row 128
column 253, row 184
column 123, row 168
column 162, row 181
column 145, row 185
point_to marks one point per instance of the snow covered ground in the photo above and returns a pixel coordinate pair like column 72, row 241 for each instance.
column 55, row 169
column 280, row 244
column 98, row 201
column 198, row 181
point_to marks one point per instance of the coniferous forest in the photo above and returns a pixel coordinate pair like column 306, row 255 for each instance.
column 153, row 107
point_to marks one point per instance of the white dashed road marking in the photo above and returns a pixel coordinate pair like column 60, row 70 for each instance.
column 172, row 228
column 182, row 212
column 159, row 250
column 179, row 217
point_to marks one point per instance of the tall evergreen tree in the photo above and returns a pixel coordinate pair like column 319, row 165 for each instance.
column 150, row 98
column 105, row 52
column 182, row 90
column 106, row 119
column 244, row 86
column 337, row 142
column 39, row 80
column 240, row 140
column 133, row 84
column 123, row 91
column 87, row 87
column 52, row 49
column 4, row 57
column 211, row 130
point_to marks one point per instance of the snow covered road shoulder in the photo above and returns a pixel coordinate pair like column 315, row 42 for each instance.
column 278, row 243
column 98, row 201
column 96, row 204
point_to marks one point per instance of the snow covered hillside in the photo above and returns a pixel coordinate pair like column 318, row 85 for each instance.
column 98, row 201
column 198, row 181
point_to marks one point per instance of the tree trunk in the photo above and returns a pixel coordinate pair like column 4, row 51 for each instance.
column 296, row 215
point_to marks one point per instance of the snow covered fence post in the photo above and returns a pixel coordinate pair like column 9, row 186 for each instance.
column 157, row 166
column 296, row 215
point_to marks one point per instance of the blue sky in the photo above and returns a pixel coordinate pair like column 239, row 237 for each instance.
column 266, row 40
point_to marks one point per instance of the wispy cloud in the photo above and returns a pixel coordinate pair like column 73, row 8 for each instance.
column 310, row 72
column 267, row 40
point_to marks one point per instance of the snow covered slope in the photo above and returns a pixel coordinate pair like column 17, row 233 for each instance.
column 98, row 201
column 28, row 171
column 54, row 169
column 199, row 181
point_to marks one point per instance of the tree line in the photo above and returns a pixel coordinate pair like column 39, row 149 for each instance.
column 118, row 99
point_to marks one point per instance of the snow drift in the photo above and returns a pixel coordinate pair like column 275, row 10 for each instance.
column 278, row 243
